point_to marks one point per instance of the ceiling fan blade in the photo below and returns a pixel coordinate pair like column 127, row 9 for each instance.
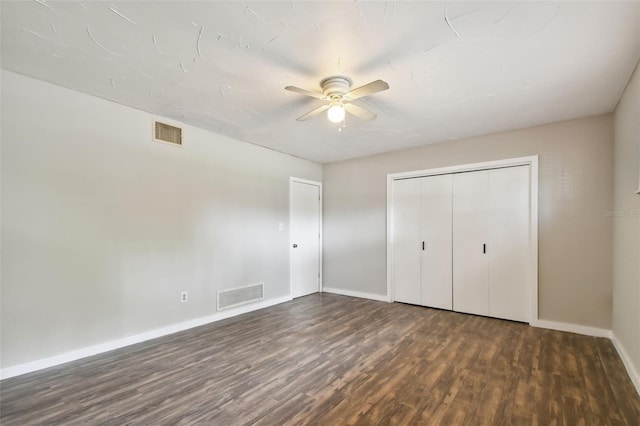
column 368, row 89
column 359, row 112
column 305, row 92
column 312, row 113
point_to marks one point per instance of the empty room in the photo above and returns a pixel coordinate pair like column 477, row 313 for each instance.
column 324, row 213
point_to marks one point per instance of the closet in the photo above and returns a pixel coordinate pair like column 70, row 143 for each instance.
column 461, row 241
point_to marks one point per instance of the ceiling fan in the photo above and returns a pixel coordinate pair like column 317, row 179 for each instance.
column 337, row 91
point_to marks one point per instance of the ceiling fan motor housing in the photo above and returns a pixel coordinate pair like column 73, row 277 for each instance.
column 336, row 86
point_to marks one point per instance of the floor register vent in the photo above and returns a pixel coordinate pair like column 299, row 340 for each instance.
column 240, row 296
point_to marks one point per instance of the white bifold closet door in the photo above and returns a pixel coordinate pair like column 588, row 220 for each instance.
column 471, row 216
column 491, row 264
column 406, row 240
column 422, row 241
column 510, row 271
column 436, row 238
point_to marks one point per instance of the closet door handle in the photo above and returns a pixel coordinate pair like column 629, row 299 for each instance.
column 484, row 249
column 423, row 246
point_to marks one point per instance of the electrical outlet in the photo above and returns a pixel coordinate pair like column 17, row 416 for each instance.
column 184, row 297
column 281, row 227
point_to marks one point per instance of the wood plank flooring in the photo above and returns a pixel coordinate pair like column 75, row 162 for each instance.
column 334, row 360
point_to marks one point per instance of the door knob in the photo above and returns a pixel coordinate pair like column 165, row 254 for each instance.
column 295, row 246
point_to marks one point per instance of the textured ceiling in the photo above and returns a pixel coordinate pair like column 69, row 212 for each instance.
column 456, row 69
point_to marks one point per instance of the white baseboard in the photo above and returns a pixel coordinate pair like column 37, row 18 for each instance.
column 74, row 355
column 628, row 364
column 379, row 297
column 573, row 328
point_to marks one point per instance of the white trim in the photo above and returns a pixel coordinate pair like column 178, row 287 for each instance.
column 626, row 360
column 319, row 185
column 507, row 162
column 531, row 161
column 533, row 222
column 361, row 295
column 573, row 328
column 74, row 355
column 307, row 181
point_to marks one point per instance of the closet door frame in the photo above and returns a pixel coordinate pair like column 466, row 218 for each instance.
column 531, row 161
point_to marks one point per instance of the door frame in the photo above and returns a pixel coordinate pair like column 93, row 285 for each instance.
column 531, row 161
column 319, row 185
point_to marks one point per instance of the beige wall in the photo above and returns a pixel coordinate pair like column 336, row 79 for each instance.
column 103, row 228
column 626, row 226
column 576, row 177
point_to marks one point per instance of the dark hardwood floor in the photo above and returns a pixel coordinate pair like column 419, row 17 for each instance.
column 335, row 360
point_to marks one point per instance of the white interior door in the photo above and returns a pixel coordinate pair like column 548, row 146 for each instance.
column 470, row 238
column 509, row 240
column 436, row 235
column 305, row 237
column 406, row 240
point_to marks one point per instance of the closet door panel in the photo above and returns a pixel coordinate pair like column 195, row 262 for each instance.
column 436, row 234
column 508, row 248
column 470, row 233
column 406, row 240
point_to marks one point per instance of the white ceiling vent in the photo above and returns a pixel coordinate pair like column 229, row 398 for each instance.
column 163, row 132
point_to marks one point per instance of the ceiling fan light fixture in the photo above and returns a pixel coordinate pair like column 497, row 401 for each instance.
column 335, row 113
column 336, row 91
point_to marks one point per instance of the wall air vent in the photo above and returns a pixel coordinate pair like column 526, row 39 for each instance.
column 240, row 296
column 163, row 132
